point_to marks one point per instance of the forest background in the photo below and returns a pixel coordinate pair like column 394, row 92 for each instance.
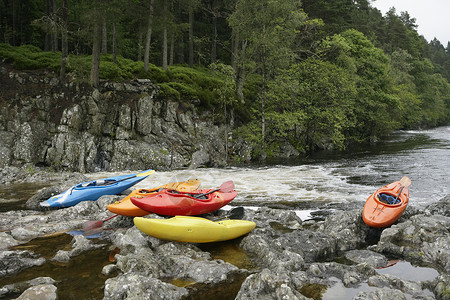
column 317, row 74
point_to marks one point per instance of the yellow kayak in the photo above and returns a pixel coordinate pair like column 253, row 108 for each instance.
column 193, row 229
column 126, row 208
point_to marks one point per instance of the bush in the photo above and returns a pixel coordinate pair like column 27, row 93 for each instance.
column 168, row 92
column 28, row 57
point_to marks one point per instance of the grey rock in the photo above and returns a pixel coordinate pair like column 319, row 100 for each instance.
column 136, row 287
column 440, row 286
column 6, row 240
column 268, row 285
column 393, row 282
column 42, row 195
column 381, row 294
column 347, row 228
column 441, row 207
column 200, row 158
column 12, row 262
column 79, row 244
column 421, row 238
column 40, row 292
column 349, row 275
column 371, row 258
column 20, row 287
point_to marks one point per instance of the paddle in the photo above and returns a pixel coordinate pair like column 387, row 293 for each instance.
column 226, row 187
column 90, row 226
column 405, row 182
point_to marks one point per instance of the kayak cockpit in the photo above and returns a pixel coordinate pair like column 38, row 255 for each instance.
column 388, row 199
column 100, row 182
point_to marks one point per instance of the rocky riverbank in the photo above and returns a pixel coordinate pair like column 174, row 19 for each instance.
column 284, row 257
column 117, row 126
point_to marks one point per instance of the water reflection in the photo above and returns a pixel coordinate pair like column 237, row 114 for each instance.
column 406, row 271
column 14, row 196
column 80, row 278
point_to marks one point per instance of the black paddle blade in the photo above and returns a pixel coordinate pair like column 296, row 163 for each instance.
column 236, row 213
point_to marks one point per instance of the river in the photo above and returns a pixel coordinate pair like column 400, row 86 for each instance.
column 330, row 179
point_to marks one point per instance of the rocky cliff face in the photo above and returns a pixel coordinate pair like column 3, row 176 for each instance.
column 115, row 127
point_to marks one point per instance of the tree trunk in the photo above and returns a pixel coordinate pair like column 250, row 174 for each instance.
column 48, row 38
column 214, row 36
column 164, row 59
column 239, row 76
column 114, row 45
column 139, row 57
column 234, row 50
column 104, row 36
column 95, row 66
column 64, row 50
column 191, row 36
column 172, row 46
column 54, row 31
column 263, row 111
column 180, row 43
column 240, row 85
column 149, row 37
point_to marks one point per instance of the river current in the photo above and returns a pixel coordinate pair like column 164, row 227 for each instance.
column 328, row 178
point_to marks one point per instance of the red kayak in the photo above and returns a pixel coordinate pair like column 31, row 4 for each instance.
column 387, row 204
column 173, row 203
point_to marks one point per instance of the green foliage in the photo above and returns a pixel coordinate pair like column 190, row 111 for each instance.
column 79, row 67
column 194, row 83
column 169, row 92
column 329, row 72
column 375, row 104
column 28, row 57
column 185, row 91
column 312, row 103
column 156, row 74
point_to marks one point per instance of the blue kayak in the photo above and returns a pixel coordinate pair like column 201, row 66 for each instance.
column 92, row 190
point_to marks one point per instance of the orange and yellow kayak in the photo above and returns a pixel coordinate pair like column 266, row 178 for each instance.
column 126, row 208
column 387, row 204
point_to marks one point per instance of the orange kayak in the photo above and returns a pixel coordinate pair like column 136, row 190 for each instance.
column 126, row 208
column 387, row 204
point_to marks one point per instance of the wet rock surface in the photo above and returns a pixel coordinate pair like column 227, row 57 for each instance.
column 287, row 255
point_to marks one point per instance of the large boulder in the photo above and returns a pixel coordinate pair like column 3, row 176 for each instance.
column 422, row 238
